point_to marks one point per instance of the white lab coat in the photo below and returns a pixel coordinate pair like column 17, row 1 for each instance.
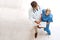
column 35, row 15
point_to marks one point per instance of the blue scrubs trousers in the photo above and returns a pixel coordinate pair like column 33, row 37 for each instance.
column 47, row 29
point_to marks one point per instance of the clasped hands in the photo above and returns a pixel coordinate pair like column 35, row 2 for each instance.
column 38, row 22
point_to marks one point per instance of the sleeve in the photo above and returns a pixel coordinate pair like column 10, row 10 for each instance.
column 50, row 18
column 43, row 11
column 31, row 16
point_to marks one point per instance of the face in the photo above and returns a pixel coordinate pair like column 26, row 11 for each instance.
column 36, row 7
column 48, row 12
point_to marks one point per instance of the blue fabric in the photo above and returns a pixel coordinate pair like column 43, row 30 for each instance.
column 47, row 29
column 45, row 18
column 49, row 19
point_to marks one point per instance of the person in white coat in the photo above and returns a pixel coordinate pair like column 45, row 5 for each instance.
column 35, row 16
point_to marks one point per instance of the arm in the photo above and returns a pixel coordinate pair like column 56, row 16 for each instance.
column 31, row 15
column 40, row 17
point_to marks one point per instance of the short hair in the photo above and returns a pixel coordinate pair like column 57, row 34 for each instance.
column 33, row 4
column 48, row 10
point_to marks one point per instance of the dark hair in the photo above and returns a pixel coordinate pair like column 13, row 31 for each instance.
column 33, row 4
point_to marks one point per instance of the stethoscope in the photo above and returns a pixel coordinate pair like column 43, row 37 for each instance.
column 34, row 10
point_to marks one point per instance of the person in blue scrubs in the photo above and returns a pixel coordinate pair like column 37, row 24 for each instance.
column 47, row 17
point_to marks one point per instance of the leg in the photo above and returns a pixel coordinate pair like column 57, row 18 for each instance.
column 35, row 28
column 47, row 29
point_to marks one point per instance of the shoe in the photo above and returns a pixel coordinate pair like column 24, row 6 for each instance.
column 49, row 33
column 36, row 35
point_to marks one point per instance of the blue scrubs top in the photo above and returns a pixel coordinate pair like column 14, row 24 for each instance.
column 45, row 18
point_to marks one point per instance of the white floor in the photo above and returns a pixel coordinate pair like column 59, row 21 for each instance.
column 15, row 25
